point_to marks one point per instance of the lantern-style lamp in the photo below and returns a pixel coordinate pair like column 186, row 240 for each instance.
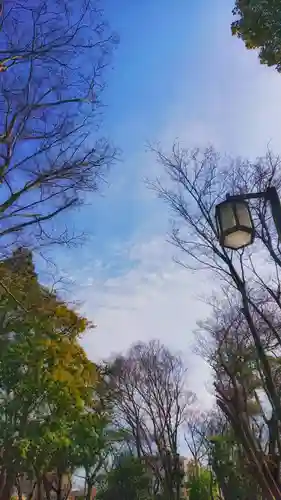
column 235, row 224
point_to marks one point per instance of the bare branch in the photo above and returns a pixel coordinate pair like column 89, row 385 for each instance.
column 50, row 107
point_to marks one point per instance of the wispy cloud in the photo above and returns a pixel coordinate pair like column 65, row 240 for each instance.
column 156, row 298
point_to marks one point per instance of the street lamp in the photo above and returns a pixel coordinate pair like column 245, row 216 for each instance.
column 234, row 220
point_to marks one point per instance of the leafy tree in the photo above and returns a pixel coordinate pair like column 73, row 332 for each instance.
column 200, row 483
column 46, row 380
column 258, row 25
column 24, row 301
column 231, row 469
column 127, row 480
column 93, row 443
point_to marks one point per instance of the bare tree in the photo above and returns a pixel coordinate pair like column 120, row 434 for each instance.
column 152, row 403
column 197, row 181
column 53, row 57
column 227, row 345
column 195, row 436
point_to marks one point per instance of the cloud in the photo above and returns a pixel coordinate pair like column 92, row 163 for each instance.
column 156, row 298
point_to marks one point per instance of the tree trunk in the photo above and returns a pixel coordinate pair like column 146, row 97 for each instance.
column 39, row 489
column 59, row 490
column 89, row 491
column 19, row 490
column 47, row 487
column 30, row 495
column 8, row 487
column 2, row 481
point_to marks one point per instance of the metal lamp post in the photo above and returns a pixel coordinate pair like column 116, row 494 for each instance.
column 234, row 220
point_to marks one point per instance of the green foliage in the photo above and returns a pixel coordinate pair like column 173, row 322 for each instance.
column 258, row 24
column 199, row 488
column 48, row 387
column 200, row 483
column 92, row 444
column 227, row 462
column 127, row 480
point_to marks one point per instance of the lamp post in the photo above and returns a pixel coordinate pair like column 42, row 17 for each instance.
column 234, row 220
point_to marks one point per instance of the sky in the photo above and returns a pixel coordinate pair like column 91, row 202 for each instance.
column 177, row 74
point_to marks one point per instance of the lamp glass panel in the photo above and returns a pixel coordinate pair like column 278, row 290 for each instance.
column 227, row 217
column 243, row 214
column 237, row 239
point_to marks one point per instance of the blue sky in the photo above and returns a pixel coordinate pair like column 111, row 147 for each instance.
column 177, row 73
column 156, row 47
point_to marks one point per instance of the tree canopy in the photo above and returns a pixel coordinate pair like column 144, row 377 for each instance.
column 258, row 25
column 47, row 383
column 127, row 480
